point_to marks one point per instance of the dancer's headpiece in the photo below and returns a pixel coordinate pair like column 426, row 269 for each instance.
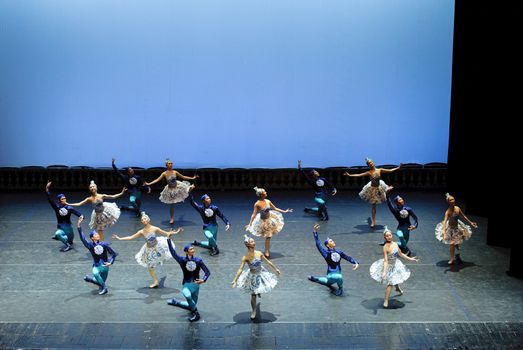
column 258, row 190
column 145, row 216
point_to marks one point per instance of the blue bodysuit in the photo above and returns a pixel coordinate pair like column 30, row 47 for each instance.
column 191, row 272
column 210, row 226
column 333, row 259
column 135, row 185
column 321, row 188
column 99, row 251
column 403, row 216
column 64, row 232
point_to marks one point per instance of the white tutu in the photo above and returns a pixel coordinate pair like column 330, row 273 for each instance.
column 456, row 235
column 176, row 194
column 256, row 279
column 396, row 272
column 100, row 220
column 154, row 252
column 374, row 194
column 267, row 227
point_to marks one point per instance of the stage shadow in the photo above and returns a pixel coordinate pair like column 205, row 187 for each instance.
column 274, row 255
column 456, row 267
column 376, row 304
column 367, row 229
column 311, row 216
column 90, row 294
column 261, row 317
column 179, row 222
column 327, row 290
column 155, row 294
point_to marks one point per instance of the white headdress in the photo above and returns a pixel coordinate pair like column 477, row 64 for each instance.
column 258, row 190
column 145, row 216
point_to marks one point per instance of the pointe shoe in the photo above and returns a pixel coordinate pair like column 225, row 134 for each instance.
column 67, row 248
column 195, row 316
column 90, row 280
column 214, row 251
column 313, row 279
column 173, row 302
column 253, row 315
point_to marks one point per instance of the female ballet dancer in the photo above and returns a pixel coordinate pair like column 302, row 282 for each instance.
column 175, row 191
column 266, row 219
column 208, row 212
column 155, row 250
column 374, row 191
column 321, row 188
column 104, row 214
column 333, row 258
column 256, row 279
column 99, row 251
column 453, row 231
column 64, row 232
column 390, row 270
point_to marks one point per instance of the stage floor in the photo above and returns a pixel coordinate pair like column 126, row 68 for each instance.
column 44, row 301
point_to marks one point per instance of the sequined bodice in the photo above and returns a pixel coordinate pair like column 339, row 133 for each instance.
column 453, row 220
column 151, row 239
column 171, row 180
column 392, row 256
column 375, row 180
column 264, row 213
column 98, row 206
column 255, row 265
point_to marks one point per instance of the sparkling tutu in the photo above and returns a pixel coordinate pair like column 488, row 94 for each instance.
column 104, row 215
column 256, row 279
column 154, row 252
column 455, row 235
column 175, row 194
column 272, row 224
column 396, row 272
column 374, row 194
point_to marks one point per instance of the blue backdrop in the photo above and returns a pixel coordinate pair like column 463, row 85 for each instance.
column 225, row 83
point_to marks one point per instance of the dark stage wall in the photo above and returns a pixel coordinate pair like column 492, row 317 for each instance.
column 483, row 107
column 431, row 176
